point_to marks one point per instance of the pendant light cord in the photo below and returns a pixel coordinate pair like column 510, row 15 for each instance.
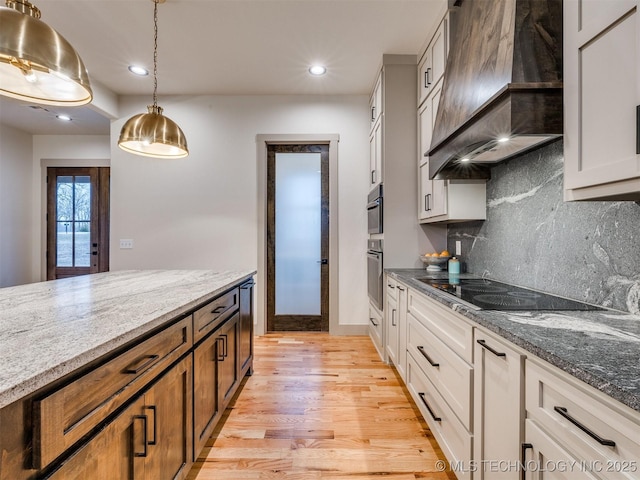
column 155, row 53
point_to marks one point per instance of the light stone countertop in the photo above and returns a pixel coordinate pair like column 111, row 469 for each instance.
column 50, row 329
column 601, row 348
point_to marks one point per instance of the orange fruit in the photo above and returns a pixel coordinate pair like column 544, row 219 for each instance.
column 445, row 253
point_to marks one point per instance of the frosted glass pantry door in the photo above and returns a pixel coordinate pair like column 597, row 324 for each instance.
column 298, row 234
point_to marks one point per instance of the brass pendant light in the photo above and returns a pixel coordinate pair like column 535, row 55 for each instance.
column 36, row 63
column 152, row 134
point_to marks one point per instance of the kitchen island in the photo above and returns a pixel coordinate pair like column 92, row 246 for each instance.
column 77, row 354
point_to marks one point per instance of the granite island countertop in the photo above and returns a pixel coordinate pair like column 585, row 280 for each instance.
column 49, row 329
column 601, row 348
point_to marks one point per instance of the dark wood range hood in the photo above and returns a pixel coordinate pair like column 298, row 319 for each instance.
column 503, row 80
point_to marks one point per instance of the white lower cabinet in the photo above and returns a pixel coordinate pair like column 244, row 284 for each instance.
column 499, row 412
column 376, row 330
column 396, row 325
column 545, row 459
column 601, row 435
column 454, row 439
column 498, row 407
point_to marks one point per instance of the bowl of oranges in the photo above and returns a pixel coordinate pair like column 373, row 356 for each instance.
column 436, row 261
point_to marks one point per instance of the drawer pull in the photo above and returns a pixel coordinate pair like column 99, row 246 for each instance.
column 149, row 360
column 400, row 288
column 393, row 317
column 144, row 430
column 495, row 352
column 424, row 354
column 219, row 309
column 424, row 400
column 602, row 441
column 220, row 349
column 153, row 409
column 372, row 322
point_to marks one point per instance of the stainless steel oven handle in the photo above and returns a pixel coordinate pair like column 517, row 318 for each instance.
column 374, row 204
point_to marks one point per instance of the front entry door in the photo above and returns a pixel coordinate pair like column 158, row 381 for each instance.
column 297, row 238
column 77, row 221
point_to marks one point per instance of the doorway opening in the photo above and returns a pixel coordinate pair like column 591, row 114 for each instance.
column 297, row 247
column 77, row 221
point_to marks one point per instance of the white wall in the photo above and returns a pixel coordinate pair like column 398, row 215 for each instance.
column 201, row 211
column 16, row 232
column 57, row 151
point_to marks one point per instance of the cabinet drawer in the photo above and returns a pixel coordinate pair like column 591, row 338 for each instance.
column 575, row 414
column 453, row 438
column 375, row 329
column 450, row 328
column 451, row 375
column 65, row 415
column 209, row 317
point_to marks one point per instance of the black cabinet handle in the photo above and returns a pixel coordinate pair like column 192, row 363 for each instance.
column 153, row 409
column 426, row 207
column 525, row 447
column 373, row 113
column 424, row 400
column 638, row 130
column 495, row 352
column 132, row 368
column 400, row 288
column 220, row 349
column 602, row 441
column 133, row 433
column 374, row 323
column 390, row 286
column 425, row 355
column 428, row 76
column 373, row 176
column 219, row 309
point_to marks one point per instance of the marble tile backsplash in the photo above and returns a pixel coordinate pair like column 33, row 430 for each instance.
column 588, row 251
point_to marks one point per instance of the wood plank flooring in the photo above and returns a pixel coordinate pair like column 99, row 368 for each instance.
column 320, row 407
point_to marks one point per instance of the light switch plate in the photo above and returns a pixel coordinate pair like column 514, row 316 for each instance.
column 458, row 247
column 126, row 243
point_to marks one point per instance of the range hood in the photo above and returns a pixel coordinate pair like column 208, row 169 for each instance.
column 502, row 90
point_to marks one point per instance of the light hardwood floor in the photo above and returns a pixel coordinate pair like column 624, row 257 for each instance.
column 320, row 407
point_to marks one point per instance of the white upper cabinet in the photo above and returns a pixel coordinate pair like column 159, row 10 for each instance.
column 432, row 63
column 601, row 99
column 375, row 102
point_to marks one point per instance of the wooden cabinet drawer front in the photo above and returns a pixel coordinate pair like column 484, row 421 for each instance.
column 453, row 438
column 451, row 375
column 209, row 317
column 447, row 325
column 64, row 416
column 551, row 397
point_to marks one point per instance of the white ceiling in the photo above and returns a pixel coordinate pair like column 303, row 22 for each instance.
column 227, row 47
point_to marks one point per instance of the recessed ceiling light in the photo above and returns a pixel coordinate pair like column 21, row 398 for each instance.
column 63, row 117
column 138, row 70
column 318, row 70
column 503, row 139
column 465, row 159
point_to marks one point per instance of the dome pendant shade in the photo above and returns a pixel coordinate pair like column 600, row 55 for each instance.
column 153, row 135
column 36, row 63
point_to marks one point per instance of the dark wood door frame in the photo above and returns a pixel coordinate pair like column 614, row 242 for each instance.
column 99, row 238
column 297, row 322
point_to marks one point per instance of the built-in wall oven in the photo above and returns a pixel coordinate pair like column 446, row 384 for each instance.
column 374, row 210
column 374, row 272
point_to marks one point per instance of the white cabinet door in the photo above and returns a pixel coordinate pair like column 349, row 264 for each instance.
column 391, row 315
column 375, row 155
column 601, row 96
column 426, row 193
column 498, row 405
column 402, row 331
column 375, row 102
column 431, row 67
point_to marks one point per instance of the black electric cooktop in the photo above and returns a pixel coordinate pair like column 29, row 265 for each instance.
column 492, row 295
